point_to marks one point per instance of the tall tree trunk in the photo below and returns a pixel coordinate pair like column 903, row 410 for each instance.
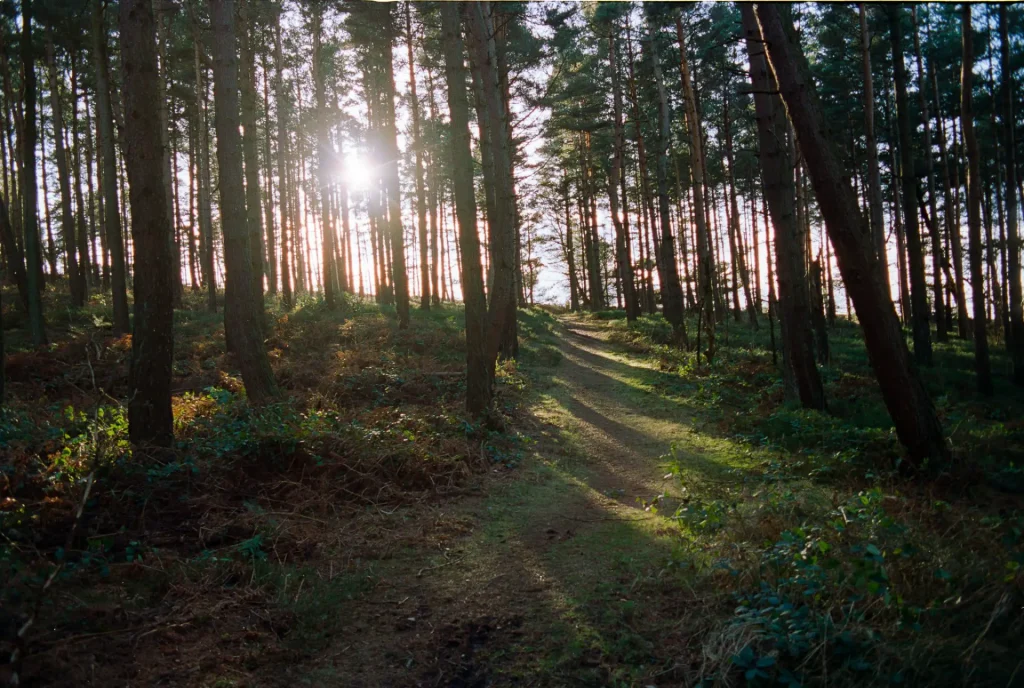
column 1015, row 338
column 622, row 239
column 915, row 253
column 169, row 172
column 76, row 279
column 325, row 157
column 705, row 259
column 913, row 414
column 203, row 148
column 982, row 365
column 82, row 234
column 874, row 181
column 1013, row 248
column 399, row 276
column 241, row 316
column 502, row 307
column 479, row 365
column 250, row 146
column 282, row 164
column 30, row 223
column 268, row 162
column 671, row 288
column 800, row 373
column 735, row 233
column 951, row 218
column 417, row 144
column 929, row 166
column 150, row 420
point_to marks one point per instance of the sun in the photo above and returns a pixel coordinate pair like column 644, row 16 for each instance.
column 357, row 172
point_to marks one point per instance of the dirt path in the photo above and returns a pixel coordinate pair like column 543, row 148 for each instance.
column 557, row 573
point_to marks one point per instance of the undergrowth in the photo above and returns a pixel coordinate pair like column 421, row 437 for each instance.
column 370, row 421
column 825, row 565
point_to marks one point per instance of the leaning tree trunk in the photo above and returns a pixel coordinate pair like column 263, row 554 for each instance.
column 915, row 253
column 982, row 365
column 800, row 371
column 913, row 414
column 242, row 320
column 478, row 364
column 150, row 420
column 1016, row 333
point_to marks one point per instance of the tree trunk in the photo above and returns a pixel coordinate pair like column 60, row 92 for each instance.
column 282, row 165
column 705, row 260
column 76, row 279
column 671, row 288
column 735, row 232
column 417, row 144
column 622, row 239
column 30, row 223
column 982, row 365
column 150, row 420
column 929, row 164
column 203, row 148
column 399, row 277
column 874, row 181
column 250, row 146
column 502, row 307
column 325, row 158
column 1015, row 338
column 800, row 371
column 915, row 254
column 913, row 414
column 241, row 317
column 479, row 365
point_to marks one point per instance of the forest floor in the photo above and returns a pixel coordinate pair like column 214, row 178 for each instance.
column 639, row 519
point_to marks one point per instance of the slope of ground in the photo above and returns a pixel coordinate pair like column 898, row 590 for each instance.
column 642, row 521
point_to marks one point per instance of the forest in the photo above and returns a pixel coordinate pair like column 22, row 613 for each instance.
column 468, row 343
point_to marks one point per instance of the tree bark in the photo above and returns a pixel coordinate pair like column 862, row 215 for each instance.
column 241, row 317
column 502, row 307
column 479, row 365
column 800, row 371
column 150, row 420
column 982, row 365
column 913, row 414
column 1015, row 337
column 250, row 146
column 399, row 276
column 874, row 180
column 282, row 164
column 671, row 288
column 417, row 144
column 929, row 166
column 918, row 286
column 29, row 222
column 76, row 279
column 705, row 260
column 622, row 239
column 203, row 183
column 325, row 158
